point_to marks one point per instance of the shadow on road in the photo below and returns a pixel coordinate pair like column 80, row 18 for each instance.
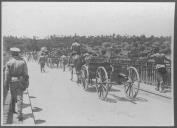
column 140, row 99
column 25, row 105
column 91, row 89
column 45, row 72
column 125, row 99
column 26, row 116
column 36, row 109
column 110, row 100
column 117, row 98
column 39, row 121
column 165, row 91
column 32, row 97
column 114, row 90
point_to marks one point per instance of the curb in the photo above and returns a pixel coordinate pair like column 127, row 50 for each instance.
column 151, row 89
column 9, row 119
column 148, row 91
column 6, row 109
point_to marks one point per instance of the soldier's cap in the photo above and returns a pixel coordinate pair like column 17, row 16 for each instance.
column 86, row 54
column 75, row 44
column 14, row 49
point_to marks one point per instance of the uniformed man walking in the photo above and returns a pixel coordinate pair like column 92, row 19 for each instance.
column 16, row 77
column 64, row 61
column 160, row 67
column 42, row 61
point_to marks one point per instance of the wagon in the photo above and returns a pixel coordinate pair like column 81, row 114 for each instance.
column 104, row 73
column 52, row 61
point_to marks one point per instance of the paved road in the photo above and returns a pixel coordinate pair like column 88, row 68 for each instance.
column 57, row 101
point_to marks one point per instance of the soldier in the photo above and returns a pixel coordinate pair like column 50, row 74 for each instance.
column 16, row 77
column 64, row 61
column 160, row 68
column 103, row 56
column 76, row 47
column 42, row 61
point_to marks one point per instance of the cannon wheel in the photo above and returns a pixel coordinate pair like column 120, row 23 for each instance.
column 102, row 85
column 132, row 85
column 84, row 77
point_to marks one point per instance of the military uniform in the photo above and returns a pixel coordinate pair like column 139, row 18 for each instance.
column 160, row 69
column 42, row 60
column 64, row 61
column 75, row 60
column 76, row 47
column 16, row 76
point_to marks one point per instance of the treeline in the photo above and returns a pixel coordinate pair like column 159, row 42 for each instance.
column 130, row 46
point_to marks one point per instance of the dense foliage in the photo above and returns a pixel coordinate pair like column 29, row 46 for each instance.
column 127, row 46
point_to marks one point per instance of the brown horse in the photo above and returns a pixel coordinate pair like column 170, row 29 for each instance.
column 76, row 61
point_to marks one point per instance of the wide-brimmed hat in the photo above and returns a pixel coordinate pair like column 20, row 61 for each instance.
column 63, row 56
column 43, row 49
column 75, row 44
column 14, row 49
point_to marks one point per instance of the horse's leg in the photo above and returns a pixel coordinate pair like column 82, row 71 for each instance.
column 80, row 76
column 71, row 73
column 77, row 74
column 41, row 67
column 63, row 68
column 44, row 68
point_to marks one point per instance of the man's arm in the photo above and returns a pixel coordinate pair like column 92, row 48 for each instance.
column 25, row 68
column 39, row 60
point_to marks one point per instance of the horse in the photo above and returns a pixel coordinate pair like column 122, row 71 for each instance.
column 76, row 61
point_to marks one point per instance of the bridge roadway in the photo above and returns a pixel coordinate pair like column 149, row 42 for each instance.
column 58, row 101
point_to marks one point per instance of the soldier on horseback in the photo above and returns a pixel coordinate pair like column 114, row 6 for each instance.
column 76, row 60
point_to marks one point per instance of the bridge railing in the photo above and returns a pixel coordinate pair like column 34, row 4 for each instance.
column 148, row 74
column 147, row 71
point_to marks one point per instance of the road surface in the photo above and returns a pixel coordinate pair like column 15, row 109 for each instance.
column 58, row 101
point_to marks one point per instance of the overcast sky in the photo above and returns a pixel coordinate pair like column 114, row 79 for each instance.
column 87, row 18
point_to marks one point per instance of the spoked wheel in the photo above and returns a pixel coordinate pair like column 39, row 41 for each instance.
column 84, row 77
column 102, row 85
column 131, row 86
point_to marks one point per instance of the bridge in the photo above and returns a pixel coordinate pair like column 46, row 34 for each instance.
column 53, row 99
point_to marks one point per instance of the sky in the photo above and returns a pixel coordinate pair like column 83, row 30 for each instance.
column 87, row 18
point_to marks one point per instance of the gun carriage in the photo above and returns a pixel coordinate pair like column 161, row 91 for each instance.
column 103, row 73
